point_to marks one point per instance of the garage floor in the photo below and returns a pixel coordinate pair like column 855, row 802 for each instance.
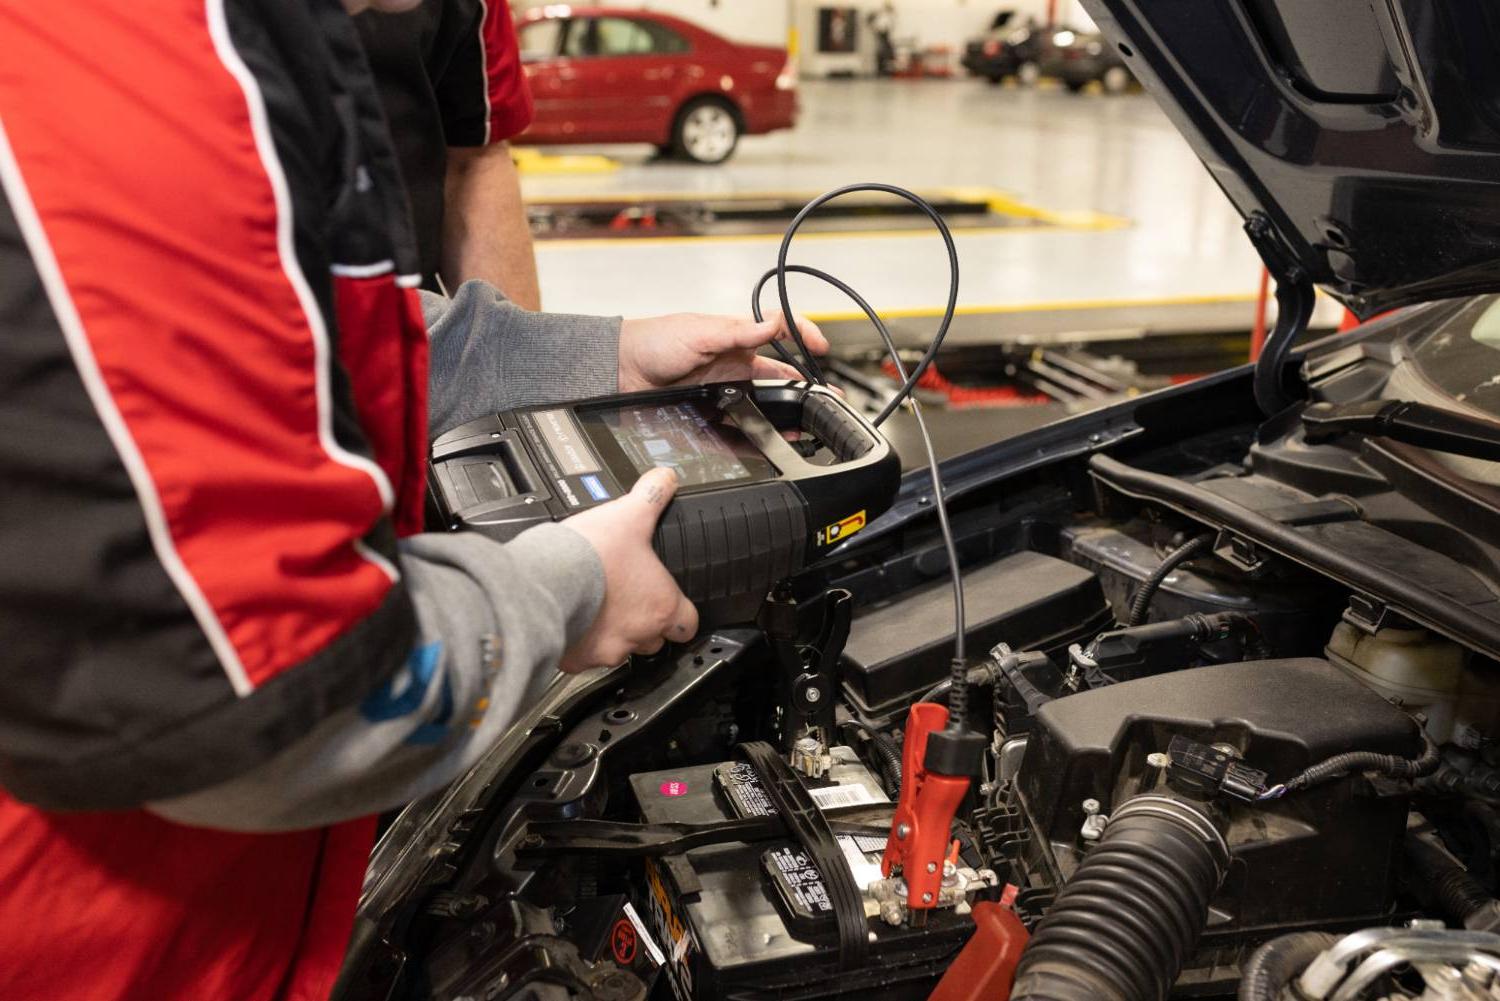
column 1074, row 157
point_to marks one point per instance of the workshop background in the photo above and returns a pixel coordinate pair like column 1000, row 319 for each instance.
column 1098, row 257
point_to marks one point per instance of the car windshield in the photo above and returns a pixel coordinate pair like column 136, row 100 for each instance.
column 1462, row 358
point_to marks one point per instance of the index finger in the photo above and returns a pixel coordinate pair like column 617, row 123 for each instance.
column 812, row 336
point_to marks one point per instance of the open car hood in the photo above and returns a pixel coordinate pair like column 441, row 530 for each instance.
column 1360, row 139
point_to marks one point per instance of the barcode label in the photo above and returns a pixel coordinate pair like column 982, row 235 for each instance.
column 830, row 797
column 652, row 949
column 864, row 870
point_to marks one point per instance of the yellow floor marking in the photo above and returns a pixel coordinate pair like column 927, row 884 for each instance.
column 533, row 162
column 1057, row 306
column 999, row 202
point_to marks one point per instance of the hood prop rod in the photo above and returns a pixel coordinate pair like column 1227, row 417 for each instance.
column 1295, row 296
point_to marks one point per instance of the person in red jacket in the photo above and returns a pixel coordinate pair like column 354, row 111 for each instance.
column 225, row 643
column 451, row 82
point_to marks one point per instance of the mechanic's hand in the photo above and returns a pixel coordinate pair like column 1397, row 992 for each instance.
column 688, row 348
column 643, row 607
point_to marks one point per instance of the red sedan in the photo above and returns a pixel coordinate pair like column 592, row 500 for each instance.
column 601, row 75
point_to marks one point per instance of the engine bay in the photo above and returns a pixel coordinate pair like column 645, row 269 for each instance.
column 1237, row 694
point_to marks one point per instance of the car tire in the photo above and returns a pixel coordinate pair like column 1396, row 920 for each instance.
column 995, row 79
column 1028, row 73
column 1075, row 86
column 707, row 130
column 1116, row 80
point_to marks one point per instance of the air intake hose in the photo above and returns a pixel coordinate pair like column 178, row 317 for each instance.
column 1124, row 925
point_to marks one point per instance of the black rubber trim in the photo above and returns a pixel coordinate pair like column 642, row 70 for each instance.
column 1427, row 607
column 835, row 427
column 808, row 825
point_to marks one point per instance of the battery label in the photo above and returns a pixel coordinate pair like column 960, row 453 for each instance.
column 830, row 797
column 864, row 870
column 748, row 798
column 669, row 925
column 643, row 935
column 800, row 881
column 742, row 785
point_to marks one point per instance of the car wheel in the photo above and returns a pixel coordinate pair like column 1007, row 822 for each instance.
column 1075, row 86
column 995, row 79
column 1116, row 80
column 707, row 131
column 1028, row 73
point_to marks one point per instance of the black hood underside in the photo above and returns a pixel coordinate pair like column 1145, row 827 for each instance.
column 1360, row 139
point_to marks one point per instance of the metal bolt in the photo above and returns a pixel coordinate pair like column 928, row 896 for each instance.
column 731, row 391
column 902, row 830
column 813, row 693
column 1157, row 759
column 926, row 898
column 1090, row 807
column 932, row 867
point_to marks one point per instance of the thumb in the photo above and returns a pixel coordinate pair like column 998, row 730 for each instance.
column 655, row 489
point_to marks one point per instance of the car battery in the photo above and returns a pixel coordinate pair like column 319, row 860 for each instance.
column 754, row 920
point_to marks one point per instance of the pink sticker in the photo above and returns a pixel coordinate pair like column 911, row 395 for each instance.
column 674, row 787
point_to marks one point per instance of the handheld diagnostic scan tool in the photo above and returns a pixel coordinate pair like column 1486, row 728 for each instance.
column 752, row 507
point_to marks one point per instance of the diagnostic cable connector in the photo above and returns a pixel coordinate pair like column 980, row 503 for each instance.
column 923, row 824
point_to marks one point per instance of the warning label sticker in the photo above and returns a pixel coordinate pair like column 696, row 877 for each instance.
column 841, row 530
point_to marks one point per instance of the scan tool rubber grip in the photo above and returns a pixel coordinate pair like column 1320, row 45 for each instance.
column 831, row 424
column 717, row 545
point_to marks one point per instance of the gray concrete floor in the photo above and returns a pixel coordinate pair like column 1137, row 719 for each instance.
column 1052, row 149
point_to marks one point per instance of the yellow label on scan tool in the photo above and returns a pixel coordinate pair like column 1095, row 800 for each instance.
column 841, row 530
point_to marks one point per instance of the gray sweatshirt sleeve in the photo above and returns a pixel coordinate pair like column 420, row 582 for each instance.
column 493, row 619
column 489, row 354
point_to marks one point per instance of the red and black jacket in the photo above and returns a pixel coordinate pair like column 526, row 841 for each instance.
column 212, row 427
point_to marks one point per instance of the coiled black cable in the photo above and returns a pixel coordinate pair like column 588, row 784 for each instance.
column 808, row 367
column 1124, row 925
column 1142, row 601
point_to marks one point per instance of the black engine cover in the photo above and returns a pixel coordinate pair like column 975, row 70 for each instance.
column 1324, row 855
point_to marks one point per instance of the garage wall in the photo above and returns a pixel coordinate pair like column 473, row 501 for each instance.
column 762, row 22
column 919, row 23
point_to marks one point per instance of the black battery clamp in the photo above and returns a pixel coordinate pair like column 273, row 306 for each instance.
column 752, row 507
